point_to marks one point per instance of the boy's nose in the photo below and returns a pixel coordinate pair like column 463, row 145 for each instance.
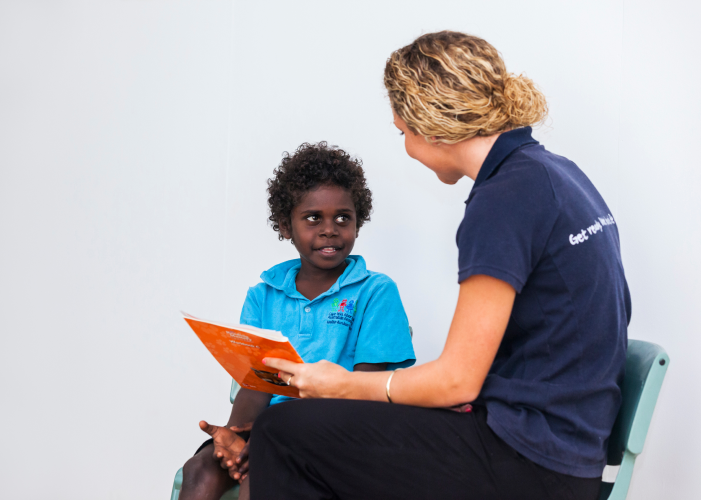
column 328, row 229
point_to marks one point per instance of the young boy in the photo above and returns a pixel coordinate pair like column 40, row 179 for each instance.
column 326, row 302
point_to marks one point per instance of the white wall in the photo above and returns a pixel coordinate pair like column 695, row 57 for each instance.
column 135, row 141
column 114, row 139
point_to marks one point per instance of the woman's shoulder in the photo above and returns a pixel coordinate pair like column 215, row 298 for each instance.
column 525, row 170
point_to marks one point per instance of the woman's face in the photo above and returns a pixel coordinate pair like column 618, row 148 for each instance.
column 433, row 155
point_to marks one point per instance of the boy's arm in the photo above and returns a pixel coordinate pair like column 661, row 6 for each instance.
column 384, row 335
column 247, row 406
column 370, row 367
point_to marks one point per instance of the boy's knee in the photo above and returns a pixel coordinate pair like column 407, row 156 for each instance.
column 202, row 468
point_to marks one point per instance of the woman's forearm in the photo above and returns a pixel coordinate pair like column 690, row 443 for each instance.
column 428, row 385
column 481, row 315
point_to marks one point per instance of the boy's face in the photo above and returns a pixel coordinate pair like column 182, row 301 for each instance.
column 323, row 227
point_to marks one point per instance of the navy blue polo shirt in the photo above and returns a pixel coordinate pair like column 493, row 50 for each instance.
column 535, row 221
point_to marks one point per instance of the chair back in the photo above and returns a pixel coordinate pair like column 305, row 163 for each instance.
column 234, row 390
column 646, row 365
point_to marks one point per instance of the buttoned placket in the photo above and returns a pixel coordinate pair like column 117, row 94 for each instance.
column 306, row 326
column 307, row 307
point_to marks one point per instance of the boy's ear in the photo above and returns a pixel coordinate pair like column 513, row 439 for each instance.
column 285, row 229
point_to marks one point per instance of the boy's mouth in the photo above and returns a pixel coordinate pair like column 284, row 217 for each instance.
column 328, row 250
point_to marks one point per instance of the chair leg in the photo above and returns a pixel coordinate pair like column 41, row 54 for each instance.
column 620, row 487
column 177, row 484
column 232, row 494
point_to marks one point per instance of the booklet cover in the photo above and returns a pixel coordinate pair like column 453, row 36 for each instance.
column 240, row 349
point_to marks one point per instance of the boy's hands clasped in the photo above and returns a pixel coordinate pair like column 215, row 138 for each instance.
column 314, row 380
column 230, row 449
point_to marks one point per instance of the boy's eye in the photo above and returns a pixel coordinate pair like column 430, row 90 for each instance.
column 312, row 218
column 401, row 133
column 342, row 218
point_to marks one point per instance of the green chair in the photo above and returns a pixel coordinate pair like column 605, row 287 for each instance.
column 233, row 493
column 646, row 366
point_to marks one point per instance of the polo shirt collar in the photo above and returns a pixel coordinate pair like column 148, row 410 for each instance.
column 282, row 276
column 505, row 144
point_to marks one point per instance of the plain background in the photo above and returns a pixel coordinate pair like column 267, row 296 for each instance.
column 136, row 138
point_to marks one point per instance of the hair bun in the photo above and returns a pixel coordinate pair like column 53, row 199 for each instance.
column 524, row 103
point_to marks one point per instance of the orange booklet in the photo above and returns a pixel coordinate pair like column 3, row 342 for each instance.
column 240, row 349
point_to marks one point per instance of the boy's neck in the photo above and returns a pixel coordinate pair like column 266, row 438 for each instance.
column 312, row 281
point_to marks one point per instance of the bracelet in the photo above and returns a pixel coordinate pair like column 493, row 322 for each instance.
column 389, row 381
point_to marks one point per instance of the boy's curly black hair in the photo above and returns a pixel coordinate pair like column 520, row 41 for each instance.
column 311, row 166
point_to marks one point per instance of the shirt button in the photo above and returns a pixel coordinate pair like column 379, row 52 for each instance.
column 307, row 309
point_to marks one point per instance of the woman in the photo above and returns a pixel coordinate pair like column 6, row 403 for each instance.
column 538, row 341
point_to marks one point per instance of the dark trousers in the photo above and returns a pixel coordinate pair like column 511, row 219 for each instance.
column 341, row 449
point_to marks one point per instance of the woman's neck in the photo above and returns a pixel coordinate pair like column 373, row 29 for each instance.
column 468, row 156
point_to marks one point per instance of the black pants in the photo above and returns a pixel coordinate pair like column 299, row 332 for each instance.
column 340, row 449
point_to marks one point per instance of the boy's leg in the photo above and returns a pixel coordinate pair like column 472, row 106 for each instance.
column 323, row 449
column 245, row 491
column 203, row 477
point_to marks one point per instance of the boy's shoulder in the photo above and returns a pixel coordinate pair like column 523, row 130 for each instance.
column 357, row 272
column 282, row 276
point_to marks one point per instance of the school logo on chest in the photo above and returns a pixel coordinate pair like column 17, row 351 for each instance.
column 342, row 312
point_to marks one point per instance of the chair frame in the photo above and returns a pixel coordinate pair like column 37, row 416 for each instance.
column 646, row 366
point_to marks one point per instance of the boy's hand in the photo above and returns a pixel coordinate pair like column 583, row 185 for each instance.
column 239, row 471
column 227, row 444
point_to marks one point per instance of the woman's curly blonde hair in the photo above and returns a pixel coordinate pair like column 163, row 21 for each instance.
column 452, row 86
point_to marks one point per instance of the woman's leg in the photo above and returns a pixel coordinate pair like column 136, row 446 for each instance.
column 341, row 449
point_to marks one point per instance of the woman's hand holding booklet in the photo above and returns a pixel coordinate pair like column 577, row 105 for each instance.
column 240, row 349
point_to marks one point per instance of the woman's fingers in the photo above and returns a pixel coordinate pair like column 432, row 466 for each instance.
column 282, row 365
column 314, row 380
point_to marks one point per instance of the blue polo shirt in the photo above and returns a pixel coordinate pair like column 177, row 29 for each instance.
column 535, row 221
column 360, row 319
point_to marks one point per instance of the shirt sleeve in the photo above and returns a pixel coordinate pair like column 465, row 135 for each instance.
column 384, row 335
column 251, row 311
column 506, row 227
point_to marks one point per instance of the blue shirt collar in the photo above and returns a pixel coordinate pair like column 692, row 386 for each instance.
column 506, row 143
column 282, row 276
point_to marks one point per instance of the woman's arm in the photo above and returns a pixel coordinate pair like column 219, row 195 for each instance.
column 483, row 311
